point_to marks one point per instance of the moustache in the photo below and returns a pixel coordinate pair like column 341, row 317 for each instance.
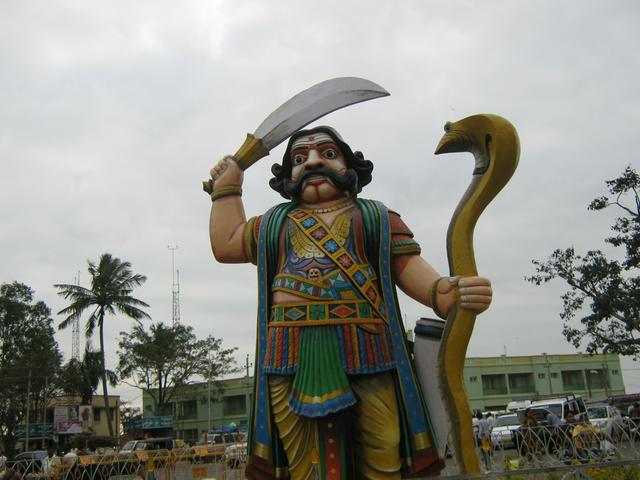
column 346, row 181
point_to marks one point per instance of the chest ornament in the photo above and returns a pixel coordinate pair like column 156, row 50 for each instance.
column 305, row 248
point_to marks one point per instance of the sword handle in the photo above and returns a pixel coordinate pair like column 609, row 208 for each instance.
column 249, row 153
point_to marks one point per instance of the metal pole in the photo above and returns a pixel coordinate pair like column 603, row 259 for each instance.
column 247, row 397
column 26, row 441
column 546, row 359
column 44, row 408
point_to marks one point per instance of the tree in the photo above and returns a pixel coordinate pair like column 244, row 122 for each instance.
column 165, row 358
column 609, row 288
column 112, row 283
column 29, row 359
column 128, row 415
column 82, row 377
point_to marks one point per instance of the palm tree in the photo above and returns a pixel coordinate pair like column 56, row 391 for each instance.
column 111, row 285
column 82, row 377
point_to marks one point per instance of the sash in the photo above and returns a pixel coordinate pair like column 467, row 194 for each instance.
column 321, row 236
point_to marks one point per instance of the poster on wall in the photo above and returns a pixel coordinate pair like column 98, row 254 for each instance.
column 85, row 412
column 72, row 419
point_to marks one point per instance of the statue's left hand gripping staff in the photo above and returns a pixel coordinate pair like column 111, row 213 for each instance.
column 494, row 143
column 299, row 111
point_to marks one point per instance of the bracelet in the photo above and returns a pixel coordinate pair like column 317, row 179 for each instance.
column 434, row 299
column 226, row 191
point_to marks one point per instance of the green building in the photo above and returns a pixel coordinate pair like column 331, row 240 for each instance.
column 199, row 405
column 492, row 382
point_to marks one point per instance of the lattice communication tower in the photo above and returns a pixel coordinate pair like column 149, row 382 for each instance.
column 175, row 275
column 75, row 332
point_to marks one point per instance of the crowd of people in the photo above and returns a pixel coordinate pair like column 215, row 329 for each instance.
column 542, row 431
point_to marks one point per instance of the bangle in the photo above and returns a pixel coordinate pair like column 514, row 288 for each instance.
column 226, row 191
column 434, row 299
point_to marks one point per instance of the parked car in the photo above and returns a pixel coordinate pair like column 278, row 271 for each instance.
column 162, row 443
column 561, row 406
column 236, row 454
column 607, row 418
column 28, row 462
column 502, row 432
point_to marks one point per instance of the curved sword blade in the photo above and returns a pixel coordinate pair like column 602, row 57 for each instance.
column 313, row 103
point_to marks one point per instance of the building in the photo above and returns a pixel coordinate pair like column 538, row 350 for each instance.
column 97, row 422
column 66, row 417
column 491, row 382
column 199, row 407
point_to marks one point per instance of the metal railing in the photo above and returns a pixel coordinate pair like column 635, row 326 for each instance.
column 565, row 452
column 570, row 449
column 186, row 464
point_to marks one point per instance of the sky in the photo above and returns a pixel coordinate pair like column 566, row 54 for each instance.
column 112, row 113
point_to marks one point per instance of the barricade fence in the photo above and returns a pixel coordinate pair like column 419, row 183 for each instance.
column 581, row 449
column 177, row 464
column 562, row 452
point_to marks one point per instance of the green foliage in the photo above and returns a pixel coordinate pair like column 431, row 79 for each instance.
column 82, row 378
column 165, row 358
column 604, row 293
column 112, row 283
column 29, row 358
column 128, row 414
column 628, row 472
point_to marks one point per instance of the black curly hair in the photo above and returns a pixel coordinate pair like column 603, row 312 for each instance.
column 357, row 165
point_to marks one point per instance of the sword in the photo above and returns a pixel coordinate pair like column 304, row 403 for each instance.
column 299, row 111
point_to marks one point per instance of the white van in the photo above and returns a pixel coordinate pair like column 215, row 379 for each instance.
column 562, row 406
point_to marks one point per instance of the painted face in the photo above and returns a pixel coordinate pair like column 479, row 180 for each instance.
column 315, row 151
column 314, row 274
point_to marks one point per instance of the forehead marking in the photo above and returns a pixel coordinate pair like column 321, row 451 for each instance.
column 310, row 140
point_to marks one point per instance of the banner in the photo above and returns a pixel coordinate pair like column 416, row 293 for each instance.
column 72, row 419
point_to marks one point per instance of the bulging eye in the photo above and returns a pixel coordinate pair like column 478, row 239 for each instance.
column 330, row 153
column 299, row 159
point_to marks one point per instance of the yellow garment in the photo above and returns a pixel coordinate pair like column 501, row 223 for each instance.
column 377, row 441
column 584, row 435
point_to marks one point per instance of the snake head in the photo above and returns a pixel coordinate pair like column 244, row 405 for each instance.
column 481, row 135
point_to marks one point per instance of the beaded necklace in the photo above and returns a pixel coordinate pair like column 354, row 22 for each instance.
column 333, row 208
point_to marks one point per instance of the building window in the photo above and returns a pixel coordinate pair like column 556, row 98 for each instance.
column 234, row 405
column 494, row 385
column 597, row 378
column 188, row 409
column 190, row 435
column 541, row 375
column 473, row 379
column 97, row 413
column 572, row 380
column 521, row 383
column 553, row 374
column 614, row 372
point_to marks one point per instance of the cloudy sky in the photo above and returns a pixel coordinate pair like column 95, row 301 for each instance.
column 111, row 114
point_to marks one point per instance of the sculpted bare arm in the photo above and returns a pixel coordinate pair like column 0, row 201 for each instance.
column 416, row 277
column 227, row 221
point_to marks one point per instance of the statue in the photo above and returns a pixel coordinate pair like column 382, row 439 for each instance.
column 336, row 394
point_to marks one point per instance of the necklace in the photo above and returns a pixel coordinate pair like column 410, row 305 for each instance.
column 334, row 208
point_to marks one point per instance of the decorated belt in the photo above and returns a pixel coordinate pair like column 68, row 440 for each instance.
column 309, row 314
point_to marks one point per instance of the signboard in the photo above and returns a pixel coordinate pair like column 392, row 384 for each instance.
column 36, row 430
column 72, row 419
column 145, row 423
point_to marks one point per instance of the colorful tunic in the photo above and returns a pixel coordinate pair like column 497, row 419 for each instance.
column 350, row 325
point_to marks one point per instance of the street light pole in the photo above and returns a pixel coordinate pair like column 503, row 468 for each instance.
column 44, row 408
column 26, row 441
